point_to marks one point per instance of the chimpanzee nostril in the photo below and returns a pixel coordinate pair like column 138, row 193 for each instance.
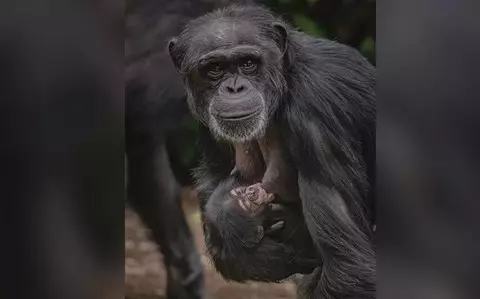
column 241, row 88
column 235, row 89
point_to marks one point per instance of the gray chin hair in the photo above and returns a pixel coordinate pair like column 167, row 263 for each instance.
column 241, row 132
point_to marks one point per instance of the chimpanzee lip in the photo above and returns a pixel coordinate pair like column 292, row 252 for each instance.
column 239, row 116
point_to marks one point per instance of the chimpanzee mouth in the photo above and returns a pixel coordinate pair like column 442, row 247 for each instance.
column 240, row 127
column 238, row 116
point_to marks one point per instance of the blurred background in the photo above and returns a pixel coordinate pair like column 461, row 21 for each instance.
column 346, row 21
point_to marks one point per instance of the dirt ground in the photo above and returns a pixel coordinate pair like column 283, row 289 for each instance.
column 145, row 274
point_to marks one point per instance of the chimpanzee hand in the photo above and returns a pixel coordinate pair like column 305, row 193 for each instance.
column 252, row 199
column 255, row 201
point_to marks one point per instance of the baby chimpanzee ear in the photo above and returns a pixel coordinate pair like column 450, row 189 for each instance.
column 282, row 32
column 175, row 53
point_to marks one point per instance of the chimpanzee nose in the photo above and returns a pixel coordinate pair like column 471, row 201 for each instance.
column 235, row 89
column 235, row 86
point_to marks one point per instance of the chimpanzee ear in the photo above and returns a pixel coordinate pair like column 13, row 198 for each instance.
column 282, row 34
column 175, row 53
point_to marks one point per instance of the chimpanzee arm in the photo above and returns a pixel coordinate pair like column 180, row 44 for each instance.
column 324, row 130
column 333, row 189
column 349, row 258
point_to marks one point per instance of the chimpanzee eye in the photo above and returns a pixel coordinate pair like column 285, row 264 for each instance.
column 248, row 63
column 248, row 66
column 214, row 71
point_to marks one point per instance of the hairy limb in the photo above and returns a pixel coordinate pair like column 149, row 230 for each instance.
column 154, row 194
column 334, row 192
column 248, row 161
column 280, row 176
column 349, row 258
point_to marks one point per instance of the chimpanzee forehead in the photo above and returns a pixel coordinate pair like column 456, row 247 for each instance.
column 225, row 34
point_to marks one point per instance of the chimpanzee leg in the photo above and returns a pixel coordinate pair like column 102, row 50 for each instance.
column 154, row 194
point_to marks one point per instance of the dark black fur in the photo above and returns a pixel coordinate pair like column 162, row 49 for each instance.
column 324, row 102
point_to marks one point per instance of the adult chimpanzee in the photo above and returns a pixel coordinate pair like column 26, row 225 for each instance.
column 246, row 71
column 155, row 104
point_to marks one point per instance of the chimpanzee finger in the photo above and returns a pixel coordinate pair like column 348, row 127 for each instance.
column 275, row 207
column 234, row 171
column 237, row 192
column 245, row 205
column 274, row 213
column 276, row 227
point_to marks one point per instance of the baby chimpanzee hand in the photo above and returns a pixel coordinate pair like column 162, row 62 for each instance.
column 252, row 199
column 255, row 201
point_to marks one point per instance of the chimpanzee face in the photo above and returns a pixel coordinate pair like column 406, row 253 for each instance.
column 233, row 74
